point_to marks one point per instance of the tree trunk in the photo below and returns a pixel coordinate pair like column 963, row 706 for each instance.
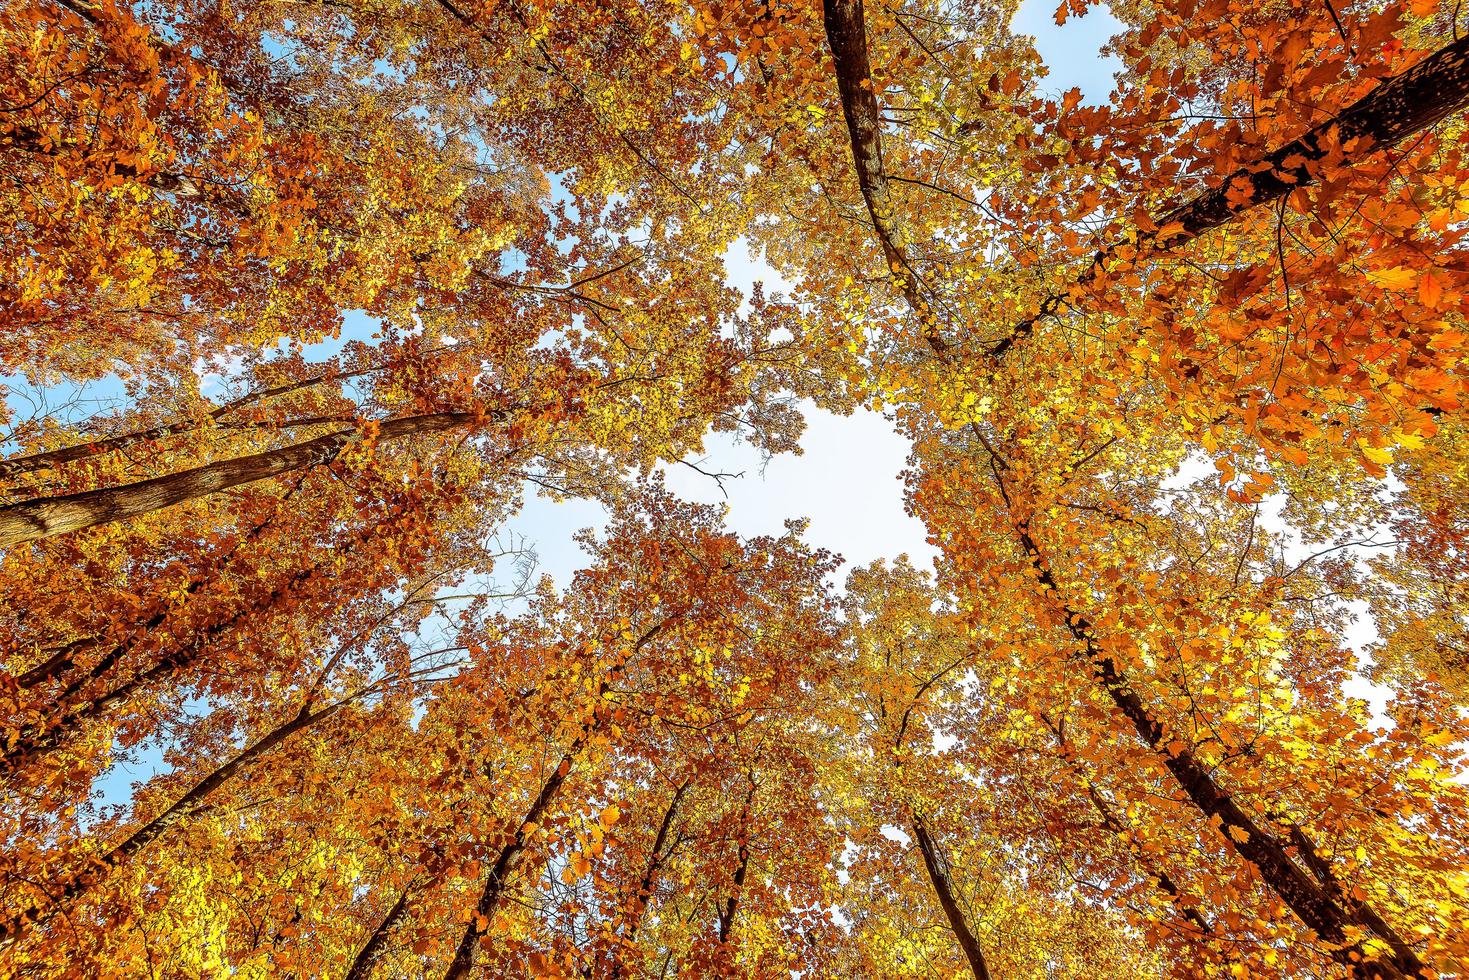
column 361, row 967
column 945, row 892
column 36, row 740
column 732, row 904
column 1330, row 916
column 1395, row 110
column 1400, row 107
column 78, row 884
column 656, row 858
column 510, row 856
column 48, row 516
column 847, row 36
column 512, row 853
column 52, row 458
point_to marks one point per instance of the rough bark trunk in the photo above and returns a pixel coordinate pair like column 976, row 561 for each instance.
column 512, row 853
column 656, row 857
column 846, row 33
column 945, row 893
column 48, row 516
column 1400, row 107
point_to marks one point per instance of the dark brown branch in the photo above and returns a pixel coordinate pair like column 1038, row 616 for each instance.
column 361, row 967
column 847, row 35
column 513, row 852
column 1399, row 108
column 656, row 857
column 1319, row 910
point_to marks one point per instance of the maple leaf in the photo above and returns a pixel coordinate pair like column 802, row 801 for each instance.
column 1396, row 277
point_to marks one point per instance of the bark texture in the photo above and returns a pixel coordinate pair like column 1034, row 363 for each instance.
column 1401, row 107
column 49, row 516
column 846, row 33
column 1327, row 910
column 514, row 852
column 191, row 802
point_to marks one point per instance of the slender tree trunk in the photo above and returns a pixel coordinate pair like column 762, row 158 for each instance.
column 943, row 889
column 361, row 967
column 48, row 516
column 52, row 458
column 512, row 853
column 1331, row 916
column 732, row 903
column 19, row 465
column 656, row 857
column 509, row 858
column 742, row 867
column 78, row 884
column 37, row 739
column 847, row 35
column 1165, row 883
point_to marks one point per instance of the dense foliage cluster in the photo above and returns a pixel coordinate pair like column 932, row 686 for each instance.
column 1183, row 375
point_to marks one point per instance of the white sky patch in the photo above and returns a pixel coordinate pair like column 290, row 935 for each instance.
column 743, row 269
column 847, row 481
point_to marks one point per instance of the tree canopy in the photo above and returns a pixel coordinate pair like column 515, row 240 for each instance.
column 1183, row 376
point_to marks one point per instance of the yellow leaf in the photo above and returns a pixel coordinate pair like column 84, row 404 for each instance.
column 1408, row 440
column 1381, row 457
column 1395, row 278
